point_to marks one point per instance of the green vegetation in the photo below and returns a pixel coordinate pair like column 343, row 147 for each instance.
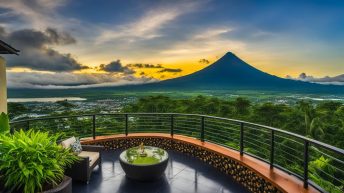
column 32, row 161
column 133, row 156
column 322, row 121
column 16, row 109
column 4, row 123
column 145, row 161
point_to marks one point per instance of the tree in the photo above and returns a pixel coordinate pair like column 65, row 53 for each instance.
column 314, row 126
column 340, row 114
column 269, row 114
column 242, row 106
column 16, row 109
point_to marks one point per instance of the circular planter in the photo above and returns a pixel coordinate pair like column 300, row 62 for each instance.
column 144, row 171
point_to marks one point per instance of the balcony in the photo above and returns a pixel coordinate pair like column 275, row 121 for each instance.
column 227, row 155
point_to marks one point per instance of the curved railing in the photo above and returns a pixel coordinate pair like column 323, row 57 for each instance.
column 317, row 164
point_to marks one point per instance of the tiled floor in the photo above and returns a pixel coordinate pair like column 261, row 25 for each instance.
column 184, row 174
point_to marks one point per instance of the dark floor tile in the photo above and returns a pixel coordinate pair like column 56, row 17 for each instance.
column 184, row 174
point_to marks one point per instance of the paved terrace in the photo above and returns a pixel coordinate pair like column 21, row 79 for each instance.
column 184, row 174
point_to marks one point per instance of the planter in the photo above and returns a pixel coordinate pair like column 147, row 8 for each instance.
column 144, row 171
column 64, row 187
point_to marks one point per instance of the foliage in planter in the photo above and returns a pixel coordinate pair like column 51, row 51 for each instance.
column 4, row 123
column 33, row 160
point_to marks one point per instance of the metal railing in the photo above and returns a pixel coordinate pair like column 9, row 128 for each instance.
column 316, row 163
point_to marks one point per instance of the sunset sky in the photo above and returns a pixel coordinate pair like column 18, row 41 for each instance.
column 68, row 43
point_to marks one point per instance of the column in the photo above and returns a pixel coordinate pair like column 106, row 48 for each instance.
column 3, row 86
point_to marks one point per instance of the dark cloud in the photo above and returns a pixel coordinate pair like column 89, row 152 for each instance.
column 139, row 65
column 116, row 66
column 303, row 76
column 172, row 70
column 203, row 61
column 35, row 52
column 59, row 37
column 337, row 80
column 2, row 31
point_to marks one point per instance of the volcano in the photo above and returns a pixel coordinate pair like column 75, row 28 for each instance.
column 230, row 72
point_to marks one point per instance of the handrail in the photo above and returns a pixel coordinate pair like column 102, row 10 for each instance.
column 307, row 142
column 324, row 145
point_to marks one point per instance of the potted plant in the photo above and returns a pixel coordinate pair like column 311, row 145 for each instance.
column 33, row 162
column 4, row 123
column 4, row 129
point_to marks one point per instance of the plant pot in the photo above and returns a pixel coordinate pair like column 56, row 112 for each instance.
column 64, row 187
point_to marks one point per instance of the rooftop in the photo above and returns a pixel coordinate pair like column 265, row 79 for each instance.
column 7, row 49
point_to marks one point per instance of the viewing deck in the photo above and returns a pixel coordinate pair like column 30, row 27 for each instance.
column 259, row 158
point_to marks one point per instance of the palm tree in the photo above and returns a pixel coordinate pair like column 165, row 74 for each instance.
column 316, row 128
column 313, row 125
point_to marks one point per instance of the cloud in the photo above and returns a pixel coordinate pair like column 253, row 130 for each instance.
column 215, row 32
column 37, row 13
column 171, row 70
column 71, row 80
column 149, row 25
column 36, row 52
column 204, row 42
column 203, row 61
column 116, row 66
column 140, row 65
column 336, row 80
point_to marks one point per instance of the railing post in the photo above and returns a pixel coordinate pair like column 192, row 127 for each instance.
column 305, row 164
column 94, row 126
column 126, row 124
column 241, row 138
column 202, row 129
column 272, row 149
column 27, row 125
column 172, row 125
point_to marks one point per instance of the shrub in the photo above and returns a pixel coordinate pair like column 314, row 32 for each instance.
column 32, row 161
column 4, row 123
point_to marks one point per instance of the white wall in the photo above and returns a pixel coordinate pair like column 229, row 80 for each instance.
column 3, row 86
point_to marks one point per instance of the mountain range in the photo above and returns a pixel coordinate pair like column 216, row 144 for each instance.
column 230, row 72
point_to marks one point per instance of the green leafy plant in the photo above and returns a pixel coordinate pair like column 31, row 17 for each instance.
column 32, row 161
column 4, row 123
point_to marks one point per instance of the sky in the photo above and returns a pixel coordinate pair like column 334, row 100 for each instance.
column 88, row 43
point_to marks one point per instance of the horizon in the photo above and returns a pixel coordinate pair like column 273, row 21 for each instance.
column 123, row 43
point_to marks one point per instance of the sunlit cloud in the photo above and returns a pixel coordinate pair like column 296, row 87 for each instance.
column 38, row 14
column 148, row 26
column 208, row 42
